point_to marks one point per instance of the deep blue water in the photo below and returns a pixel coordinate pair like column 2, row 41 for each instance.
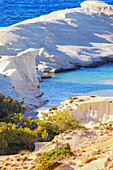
column 62, row 85
column 14, row 11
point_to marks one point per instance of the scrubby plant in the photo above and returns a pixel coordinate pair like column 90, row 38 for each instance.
column 57, row 154
column 13, row 139
column 16, row 132
column 10, row 106
column 104, row 126
column 96, row 128
column 19, row 120
column 53, row 108
column 55, row 123
column 48, row 165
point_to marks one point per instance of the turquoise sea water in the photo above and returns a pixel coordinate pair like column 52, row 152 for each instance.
column 79, row 82
column 63, row 85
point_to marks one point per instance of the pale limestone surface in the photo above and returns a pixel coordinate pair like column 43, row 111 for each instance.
column 93, row 145
column 93, row 109
column 20, row 75
column 92, row 149
column 98, row 6
column 55, row 42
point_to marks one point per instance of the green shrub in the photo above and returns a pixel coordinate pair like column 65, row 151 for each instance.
column 10, row 106
column 96, row 128
column 17, row 133
column 55, row 123
column 48, row 165
column 19, row 119
column 13, row 139
column 105, row 126
column 57, row 154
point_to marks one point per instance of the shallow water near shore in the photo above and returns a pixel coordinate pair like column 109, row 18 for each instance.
column 77, row 83
column 63, row 85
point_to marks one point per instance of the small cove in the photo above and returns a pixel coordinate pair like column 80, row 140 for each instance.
column 62, row 85
column 77, row 83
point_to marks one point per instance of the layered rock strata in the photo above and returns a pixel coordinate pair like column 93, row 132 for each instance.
column 90, row 108
column 93, row 109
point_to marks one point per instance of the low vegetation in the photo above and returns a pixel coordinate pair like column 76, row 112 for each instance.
column 13, row 139
column 104, row 126
column 10, row 106
column 53, row 108
column 58, row 153
column 18, row 133
column 52, row 124
column 48, row 165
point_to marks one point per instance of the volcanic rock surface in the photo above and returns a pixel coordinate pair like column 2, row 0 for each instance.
column 61, row 40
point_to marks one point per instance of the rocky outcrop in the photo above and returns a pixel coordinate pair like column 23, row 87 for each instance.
column 20, row 78
column 100, row 6
column 62, row 40
column 93, row 109
column 91, row 148
column 90, row 108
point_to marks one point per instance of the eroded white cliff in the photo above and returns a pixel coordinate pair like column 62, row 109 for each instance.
column 90, row 108
column 100, row 6
column 58, row 41
column 20, row 78
column 93, row 109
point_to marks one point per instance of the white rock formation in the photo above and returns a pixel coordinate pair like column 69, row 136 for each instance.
column 100, row 6
column 93, row 109
column 59, row 41
column 22, row 72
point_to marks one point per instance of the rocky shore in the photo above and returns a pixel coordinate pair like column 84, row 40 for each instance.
column 62, row 40
column 93, row 109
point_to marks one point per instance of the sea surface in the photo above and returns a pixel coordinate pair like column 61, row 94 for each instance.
column 14, row 11
column 62, row 85
column 76, row 83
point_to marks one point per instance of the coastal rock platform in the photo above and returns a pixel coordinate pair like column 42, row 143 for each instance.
column 93, row 109
column 62, row 40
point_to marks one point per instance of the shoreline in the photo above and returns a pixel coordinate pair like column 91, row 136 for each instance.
column 49, row 47
column 59, row 42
